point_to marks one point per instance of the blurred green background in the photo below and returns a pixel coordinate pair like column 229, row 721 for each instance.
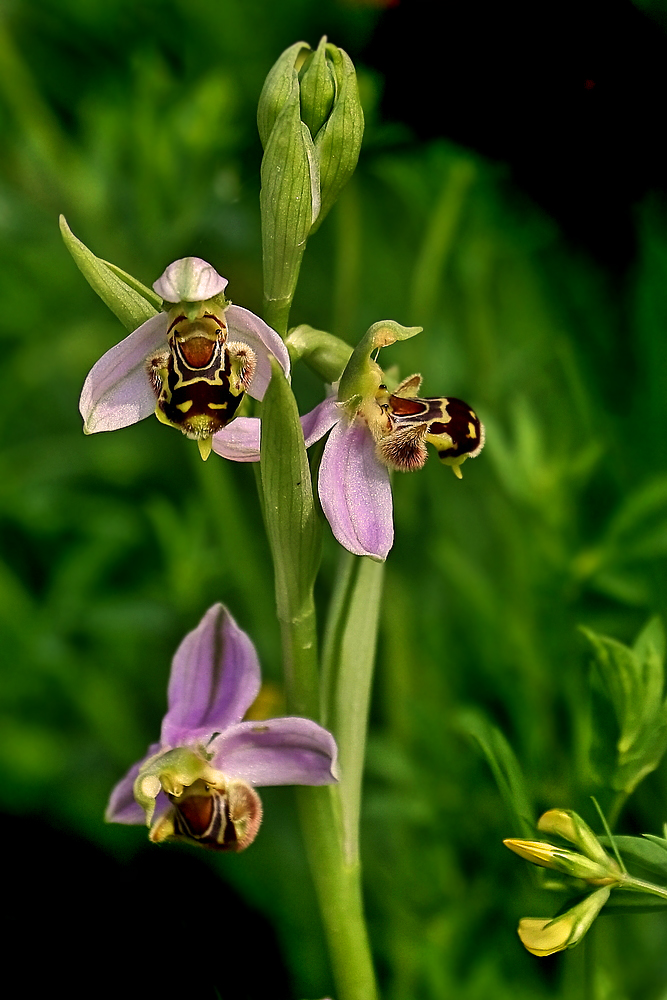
column 137, row 122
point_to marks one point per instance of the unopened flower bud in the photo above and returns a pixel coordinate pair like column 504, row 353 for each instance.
column 570, row 826
column 568, row 862
column 311, row 123
column 543, row 937
column 318, row 88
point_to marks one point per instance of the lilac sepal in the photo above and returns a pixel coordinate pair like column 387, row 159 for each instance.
column 190, row 279
column 355, row 491
column 244, row 325
column 289, row 751
column 215, row 678
column 122, row 807
column 118, row 391
column 316, row 423
column 240, row 440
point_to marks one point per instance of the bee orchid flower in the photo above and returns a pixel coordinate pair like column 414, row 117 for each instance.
column 198, row 783
column 372, row 431
column 190, row 364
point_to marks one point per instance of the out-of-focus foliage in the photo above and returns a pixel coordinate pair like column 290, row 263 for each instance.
column 138, row 122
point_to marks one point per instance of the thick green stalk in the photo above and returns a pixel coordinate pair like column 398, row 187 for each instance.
column 276, row 314
column 338, row 887
column 293, row 529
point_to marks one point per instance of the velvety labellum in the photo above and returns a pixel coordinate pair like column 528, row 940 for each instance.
column 219, row 820
column 200, row 382
column 444, row 421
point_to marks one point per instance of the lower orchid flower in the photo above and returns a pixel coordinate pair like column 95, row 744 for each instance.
column 198, row 783
column 190, row 364
column 373, row 431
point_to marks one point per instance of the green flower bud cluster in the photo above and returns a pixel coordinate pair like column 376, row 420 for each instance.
column 311, row 125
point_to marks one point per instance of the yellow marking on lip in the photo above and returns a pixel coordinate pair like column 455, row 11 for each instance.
column 472, row 431
column 184, row 407
column 218, row 406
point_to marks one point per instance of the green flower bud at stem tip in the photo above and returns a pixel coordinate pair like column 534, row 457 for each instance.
column 318, row 88
column 278, row 87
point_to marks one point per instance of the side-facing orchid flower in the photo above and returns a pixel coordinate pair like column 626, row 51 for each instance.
column 191, row 364
column 373, row 431
column 198, row 783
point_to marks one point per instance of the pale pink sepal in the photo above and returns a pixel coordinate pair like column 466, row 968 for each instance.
column 118, row 391
column 189, row 279
column 239, row 440
column 355, row 491
column 244, row 325
column 289, row 751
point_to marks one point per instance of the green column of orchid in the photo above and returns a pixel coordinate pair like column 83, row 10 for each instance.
column 328, row 824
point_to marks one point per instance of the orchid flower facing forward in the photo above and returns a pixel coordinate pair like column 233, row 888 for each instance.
column 181, row 363
column 373, row 430
column 197, row 783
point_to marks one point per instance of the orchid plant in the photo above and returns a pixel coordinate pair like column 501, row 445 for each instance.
column 192, row 357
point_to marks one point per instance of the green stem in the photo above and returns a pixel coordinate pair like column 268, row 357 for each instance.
column 338, row 887
column 637, row 883
column 276, row 314
column 337, row 880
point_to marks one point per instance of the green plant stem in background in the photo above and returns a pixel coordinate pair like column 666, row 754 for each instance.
column 338, row 887
column 347, row 672
column 293, row 529
column 276, row 314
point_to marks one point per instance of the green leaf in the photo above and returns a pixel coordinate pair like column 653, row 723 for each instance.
column 348, row 658
column 127, row 298
column 646, row 854
column 292, row 523
column 634, row 682
column 506, row 770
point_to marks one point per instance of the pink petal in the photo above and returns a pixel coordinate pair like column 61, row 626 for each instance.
column 190, row 279
column 214, row 679
column 289, row 751
column 239, row 441
column 355, row 491
column 244, row 325
column 118, row 391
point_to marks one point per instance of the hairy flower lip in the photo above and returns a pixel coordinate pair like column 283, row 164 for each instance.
column 214, row 679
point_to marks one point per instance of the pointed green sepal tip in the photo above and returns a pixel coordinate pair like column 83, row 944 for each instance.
column 362, row 375
column 127, row 298
column 318, row 88
column 338, row 141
